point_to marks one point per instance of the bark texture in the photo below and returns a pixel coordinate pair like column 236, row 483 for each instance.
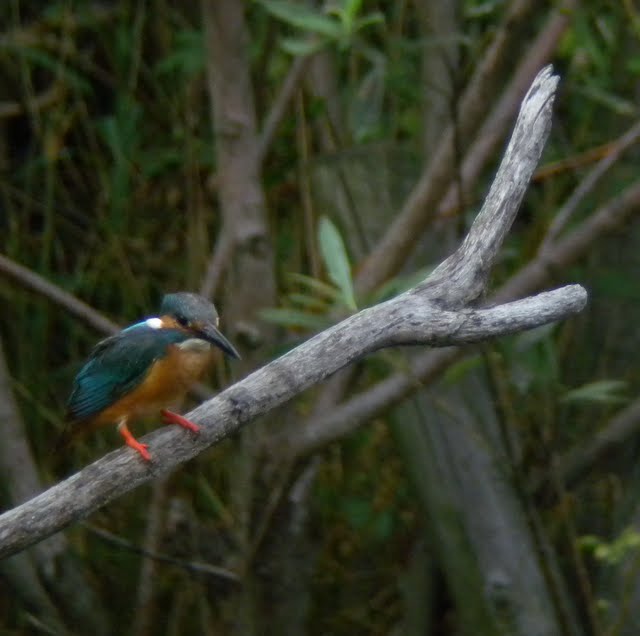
column 437, row 313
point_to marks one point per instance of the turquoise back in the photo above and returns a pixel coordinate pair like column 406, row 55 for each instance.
column 116, row 366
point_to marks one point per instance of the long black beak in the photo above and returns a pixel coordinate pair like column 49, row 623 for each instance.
column 211, row 333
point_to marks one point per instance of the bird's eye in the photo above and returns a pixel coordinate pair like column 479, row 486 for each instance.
column 182, row 321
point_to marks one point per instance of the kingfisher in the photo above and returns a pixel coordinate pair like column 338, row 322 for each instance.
column 148, row 368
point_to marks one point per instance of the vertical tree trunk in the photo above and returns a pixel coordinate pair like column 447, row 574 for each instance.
column 250, row 280
column 486, row 547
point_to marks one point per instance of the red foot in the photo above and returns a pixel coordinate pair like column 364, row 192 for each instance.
column 141, row 448
column 170, row 417
column 131, row 441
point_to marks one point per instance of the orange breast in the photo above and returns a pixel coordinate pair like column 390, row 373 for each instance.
column 165, row 385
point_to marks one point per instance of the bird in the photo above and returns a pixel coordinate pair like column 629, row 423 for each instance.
column 147, row 368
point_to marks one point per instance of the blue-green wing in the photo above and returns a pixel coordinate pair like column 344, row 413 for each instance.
column 116, row 366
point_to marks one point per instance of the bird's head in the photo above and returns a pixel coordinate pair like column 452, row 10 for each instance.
column 196, row 315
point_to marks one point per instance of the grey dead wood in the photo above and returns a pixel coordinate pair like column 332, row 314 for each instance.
column 334, row 418
column 435, row 313
column 405, row 230
column 424, row 368
column 47, row 579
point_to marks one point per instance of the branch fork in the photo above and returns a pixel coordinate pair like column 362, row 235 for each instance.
column 438, row 312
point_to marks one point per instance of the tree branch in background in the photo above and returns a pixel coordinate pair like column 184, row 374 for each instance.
column 49, row 562
column 280, row 104
column 195, row 567
column 250, row 274
column 224, row 246
column 497, row 122
column 308, row 436
column 38, row 284
column 250, row 271
column 577, row 462
column 561, row 219
column 419, row 316
column 217, row 265
column 398, row 241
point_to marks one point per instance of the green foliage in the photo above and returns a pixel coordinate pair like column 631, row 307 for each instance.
column 624, row 547
column 108, row 189
column 336, row 260
column 187, row 59
column 600, row 391
column 338, row 24
column 310, row 308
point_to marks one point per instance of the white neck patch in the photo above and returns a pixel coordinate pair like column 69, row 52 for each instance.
column 154, row 323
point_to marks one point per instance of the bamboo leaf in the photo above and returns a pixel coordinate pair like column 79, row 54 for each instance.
column 319, row 287
column 293, row 318
column 601, row 391
column 336, row 260
column 302, row 17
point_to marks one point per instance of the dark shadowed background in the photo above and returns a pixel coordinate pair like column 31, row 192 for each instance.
column 295, row 161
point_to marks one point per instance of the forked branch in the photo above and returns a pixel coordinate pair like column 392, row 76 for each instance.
column 436, row 313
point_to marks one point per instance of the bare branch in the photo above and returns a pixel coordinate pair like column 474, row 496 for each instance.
column 280, row 103
column 195, row 567
column 584, row 188
column 73, row 305
column 269, row 387
column 389, row 254
column 497, row 123
column 428, row 314
column 468, row 268
column 307, row 436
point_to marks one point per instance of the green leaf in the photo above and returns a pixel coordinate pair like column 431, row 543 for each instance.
column 302, row 17
column 310, row 303
column 334, row 255
column 600, row 391
column 299, row 47
column 319, row 287
column 53, row 64
column 187, row 57
column 293, row 318
column 371, row 18
column 357, row 512
column 533, row 337
column 351, row 9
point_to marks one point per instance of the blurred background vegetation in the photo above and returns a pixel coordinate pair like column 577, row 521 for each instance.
column 295, row 161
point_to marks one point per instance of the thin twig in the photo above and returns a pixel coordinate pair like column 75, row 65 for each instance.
column 407, row 227
column 280, row 104
column 218, row 262
column 197, row 567
column 37, row 103
column 584, row 188
column 36, row 283
column 496, row 125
